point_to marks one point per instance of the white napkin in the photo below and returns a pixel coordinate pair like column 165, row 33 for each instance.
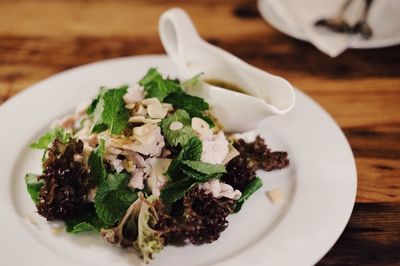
column 302, row 14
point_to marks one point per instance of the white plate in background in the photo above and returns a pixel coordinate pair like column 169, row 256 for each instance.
column 384, row 23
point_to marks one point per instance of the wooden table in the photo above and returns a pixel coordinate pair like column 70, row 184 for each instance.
column 360, row 88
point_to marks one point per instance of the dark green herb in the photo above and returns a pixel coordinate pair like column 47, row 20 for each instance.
column 177, row 190
column 113, row 198
column 155, row 86
column 85, row 223
column 110, row 112
column 96, row 164
column 252, row 187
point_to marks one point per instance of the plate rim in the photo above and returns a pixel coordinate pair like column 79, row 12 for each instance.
column 34, row 87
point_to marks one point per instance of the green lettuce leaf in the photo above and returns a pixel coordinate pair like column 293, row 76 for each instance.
column 149, row 241
column 33, row 186
column 45, row 140
column 110, row 112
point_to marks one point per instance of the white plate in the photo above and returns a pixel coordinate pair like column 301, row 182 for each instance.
column 385, row 26
column 319, row 186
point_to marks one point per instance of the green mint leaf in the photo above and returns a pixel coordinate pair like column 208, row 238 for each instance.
column 195, row 106
column 207, row 169
column 113, row 198
column 191, row 104
column 96, row 164
column 252, row 187
column 151, row 75
column 197, row 175
column 45, row 140
column 180, row 136
column 93, row 105
column 177, row 190
column 33, row 185
column 191, row 151
column 85, row 223
column 110, row 112
column 155, row 86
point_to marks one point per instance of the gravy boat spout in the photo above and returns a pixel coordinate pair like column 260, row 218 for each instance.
column 261, row 94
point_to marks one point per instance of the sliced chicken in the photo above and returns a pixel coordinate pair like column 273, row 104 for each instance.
column 215, row 149
column 219, row 189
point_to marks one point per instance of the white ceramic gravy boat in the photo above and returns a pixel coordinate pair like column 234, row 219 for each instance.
column 267, row 94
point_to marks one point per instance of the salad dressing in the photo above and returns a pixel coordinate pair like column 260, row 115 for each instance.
column 225, row 85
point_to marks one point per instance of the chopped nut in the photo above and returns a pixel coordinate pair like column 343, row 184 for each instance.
column 176, row 125
column 275, row 195
column 129, row 166
column 130, row 106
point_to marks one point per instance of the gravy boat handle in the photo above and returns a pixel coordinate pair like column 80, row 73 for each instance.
column 178, row 33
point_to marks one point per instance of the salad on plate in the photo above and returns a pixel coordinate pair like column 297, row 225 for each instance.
column 146, row 165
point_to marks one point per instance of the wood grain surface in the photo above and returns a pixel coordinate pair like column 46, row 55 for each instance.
column 360, row 88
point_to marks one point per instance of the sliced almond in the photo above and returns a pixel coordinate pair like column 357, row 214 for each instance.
column 201, row 126
column 140, row 110
column 156, row 111
column 150, row 101
column 142, row 119
column 275, row 195
column 176, row 125
column 168, row 107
